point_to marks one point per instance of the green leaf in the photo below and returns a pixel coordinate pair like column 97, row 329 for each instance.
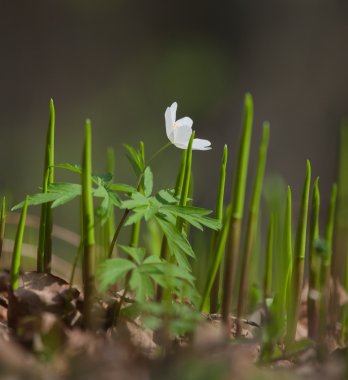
column 193, row 215
column 73, row 168
column 135, row 159
column 137, row 215
column 112, row 270
column 142, row 285
column 177, row 242
column 103, row 177
column 137, row 254
column 167, row 197
column 137, row 200
column 58, row 192
column 148, row 181
column 122, row 187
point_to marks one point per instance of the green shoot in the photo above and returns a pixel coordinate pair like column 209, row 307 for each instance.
column 88, row 259
column 44, row 252
column 220, row 250
column 252, row 222
column 238, row 196
column 17, row 250
column 109, row 228
column 267, row 283
column 214, row 296
column 314, row 260
column 299, row 256
column 329, row 236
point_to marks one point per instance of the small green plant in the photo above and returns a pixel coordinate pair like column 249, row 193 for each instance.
column 153, row 270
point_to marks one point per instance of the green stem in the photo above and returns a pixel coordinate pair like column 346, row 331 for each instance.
column 88, row 262
column 186, row 183
column 237, row 211
column 329, row 236
column 214, row 295
column 109, row 228
column 267, row 284
column 17, row 250
column 220, row 250
column 299, row 254
column 313, row 302
column 252, row 224
column 44, row 252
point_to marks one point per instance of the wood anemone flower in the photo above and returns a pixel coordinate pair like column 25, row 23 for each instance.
column 179, row 131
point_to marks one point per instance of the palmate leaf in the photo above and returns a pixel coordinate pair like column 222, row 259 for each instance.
column 193, row 215
column 58, row 193
column 167, row 197
column 142, row 284
column 148, row 182
column 136, row 160
column 177, row 243
column 122, row 187
column 136, row 200
column 101, row 178
column 137, row 254
column 112, row 270
column 109, row 199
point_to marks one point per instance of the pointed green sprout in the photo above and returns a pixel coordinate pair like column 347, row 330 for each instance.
column 238, row 196
column 329, row 236
column 44, row 251
column 219, row 211
column 2, row 223
column 299, row 256
column 135, row 232
column 17, row 249
column 267, row 283
column 288, row 255
column 314, row 266
column 252, row 222
column 216, row 260
column 88, row 259
column 109, row 227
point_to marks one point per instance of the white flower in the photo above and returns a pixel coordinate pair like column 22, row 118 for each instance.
column 179, row 131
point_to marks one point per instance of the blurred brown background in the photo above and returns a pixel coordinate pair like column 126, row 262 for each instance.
column 122, row 62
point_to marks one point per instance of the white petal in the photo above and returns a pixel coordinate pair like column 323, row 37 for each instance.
column 201, row 144
column 181, row 146
column 185, row 121
column 169, row 122
column 182, row 134
column 173, row 108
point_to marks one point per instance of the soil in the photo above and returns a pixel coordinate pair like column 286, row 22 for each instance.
column 42, row 337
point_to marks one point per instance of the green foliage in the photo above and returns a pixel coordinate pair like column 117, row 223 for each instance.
column 144, row 273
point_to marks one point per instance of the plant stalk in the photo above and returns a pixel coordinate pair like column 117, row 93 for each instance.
column 88, row 259
column 17, row 250
column 252, row 224
column 238, row 197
